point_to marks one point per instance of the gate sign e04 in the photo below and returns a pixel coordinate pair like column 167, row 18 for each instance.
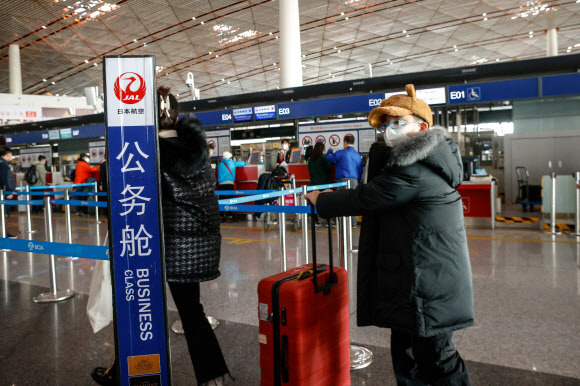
column 493, row 91
column 135, row 220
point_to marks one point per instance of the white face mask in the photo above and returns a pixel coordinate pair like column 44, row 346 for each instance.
column 392, row 135
column 285, row 146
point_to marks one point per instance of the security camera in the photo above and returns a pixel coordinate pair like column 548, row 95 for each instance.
column 189, row 79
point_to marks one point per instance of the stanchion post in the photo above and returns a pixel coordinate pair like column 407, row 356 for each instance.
column 54, row 295
column 2, row 214
column 553, row 227
column 493, row 198
column 349, row 230
column 96, row 186
column 68, row 222
column 343, row 249
column 305, row 226
column 577, row 219
column 28, row 216
column 283, row 257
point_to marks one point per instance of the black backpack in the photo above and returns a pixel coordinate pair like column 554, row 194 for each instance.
column 31, row 176
column 71, row 175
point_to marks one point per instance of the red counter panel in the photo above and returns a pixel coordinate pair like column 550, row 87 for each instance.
column 476, row 199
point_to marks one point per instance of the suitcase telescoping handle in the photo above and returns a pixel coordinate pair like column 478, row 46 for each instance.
column 332, row 279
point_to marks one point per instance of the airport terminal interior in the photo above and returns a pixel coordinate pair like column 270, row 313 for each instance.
column 267, row 82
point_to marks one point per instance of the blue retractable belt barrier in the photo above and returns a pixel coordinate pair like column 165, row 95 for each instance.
column 79, row 203
column 241, row 192
column 21, row 202
column 278, row 194
column 59, row 249
column 33, row 193
column 91, row 194
column 266, row 209
column 56, row 186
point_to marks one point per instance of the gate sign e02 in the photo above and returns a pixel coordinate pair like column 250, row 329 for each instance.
column 135, row 221
column 493, row 91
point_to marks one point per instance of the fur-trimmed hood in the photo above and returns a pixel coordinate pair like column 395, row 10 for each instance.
column 432, row 148
column 187, row 154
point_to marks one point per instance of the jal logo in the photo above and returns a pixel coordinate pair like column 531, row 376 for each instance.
column 130, row 88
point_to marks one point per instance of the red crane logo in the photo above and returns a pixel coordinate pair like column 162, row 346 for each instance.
column 133, row 91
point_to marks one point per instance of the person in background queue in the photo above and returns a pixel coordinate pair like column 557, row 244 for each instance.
column 227, row 177
column 319, row 167
column 40, row 167
column 349, row 166
column 7, row 180
column 284, row 153
column 414, row 273
column 83, row 172
column 192, row 238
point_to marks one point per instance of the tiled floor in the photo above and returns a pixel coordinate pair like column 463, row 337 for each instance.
column 527, row 299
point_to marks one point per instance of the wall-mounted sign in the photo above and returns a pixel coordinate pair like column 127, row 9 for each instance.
column 265, row 112
column 333, row 135
column 214, row 118
column 243, row 115
column 220, row 140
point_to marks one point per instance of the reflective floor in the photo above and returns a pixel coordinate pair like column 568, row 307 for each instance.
column 527, row 300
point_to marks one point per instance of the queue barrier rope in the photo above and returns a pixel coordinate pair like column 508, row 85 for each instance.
column 279, row 193
column 33, row 193
column 241, row 192
column 56, row 186
column 21, row 202
column 58, row 249
column 90, row 194
column 80, row 203
column 266, row 209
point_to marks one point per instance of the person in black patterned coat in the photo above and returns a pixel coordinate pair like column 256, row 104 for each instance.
column 191, row 234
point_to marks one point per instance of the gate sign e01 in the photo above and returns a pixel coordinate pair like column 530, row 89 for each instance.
column 493, row 91
column 135, row 220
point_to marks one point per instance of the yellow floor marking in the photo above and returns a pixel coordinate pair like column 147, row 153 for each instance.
column 236, row 240
column 517, row 218
column 524, row 240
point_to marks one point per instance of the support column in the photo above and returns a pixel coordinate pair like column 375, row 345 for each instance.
column 459, row 124
column 552, row 42
column 14, row 69
column 290, row 51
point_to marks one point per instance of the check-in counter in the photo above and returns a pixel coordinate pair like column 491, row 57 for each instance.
column 247, row 177
column 478, row 201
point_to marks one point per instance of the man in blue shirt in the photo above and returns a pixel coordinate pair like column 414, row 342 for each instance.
column 349, row 166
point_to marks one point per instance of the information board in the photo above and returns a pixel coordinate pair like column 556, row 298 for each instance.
column 243, row 115
column 214, row 118
column 135, row 221
column 265, row 112
column 66, row 133
column 255, row 157
column 220, row 139
column 493, row 91
column 561, row 85
column 431, row 96
column 296, row 155
column 333, row 134
column 344, row 105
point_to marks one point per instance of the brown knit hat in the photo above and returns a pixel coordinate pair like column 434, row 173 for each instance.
column 399, row 105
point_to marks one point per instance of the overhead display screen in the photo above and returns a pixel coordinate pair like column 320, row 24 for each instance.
column 265, row 112
column 431, row 96
column 243, row 115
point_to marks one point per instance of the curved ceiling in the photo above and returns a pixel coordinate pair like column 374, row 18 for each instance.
column 232, row 46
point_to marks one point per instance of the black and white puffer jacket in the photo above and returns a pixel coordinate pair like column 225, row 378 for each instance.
column 191, row 218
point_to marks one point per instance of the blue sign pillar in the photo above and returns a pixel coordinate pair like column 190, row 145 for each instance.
column 135, row 222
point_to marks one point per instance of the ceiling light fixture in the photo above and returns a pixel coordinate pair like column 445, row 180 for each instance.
column 53, row 83
column 346, row 18
column 193, row 18
column 43, row 27
column 44, row 80
column 404, row 31
column 202, row 23
column 86, row 61
column 135, row 40
column 96, row 64
column 485, row 19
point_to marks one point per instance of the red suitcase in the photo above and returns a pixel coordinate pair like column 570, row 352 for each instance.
column 304, row 325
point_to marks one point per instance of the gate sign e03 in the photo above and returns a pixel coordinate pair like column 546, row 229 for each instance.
column 493, row 91
column 135, row 220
